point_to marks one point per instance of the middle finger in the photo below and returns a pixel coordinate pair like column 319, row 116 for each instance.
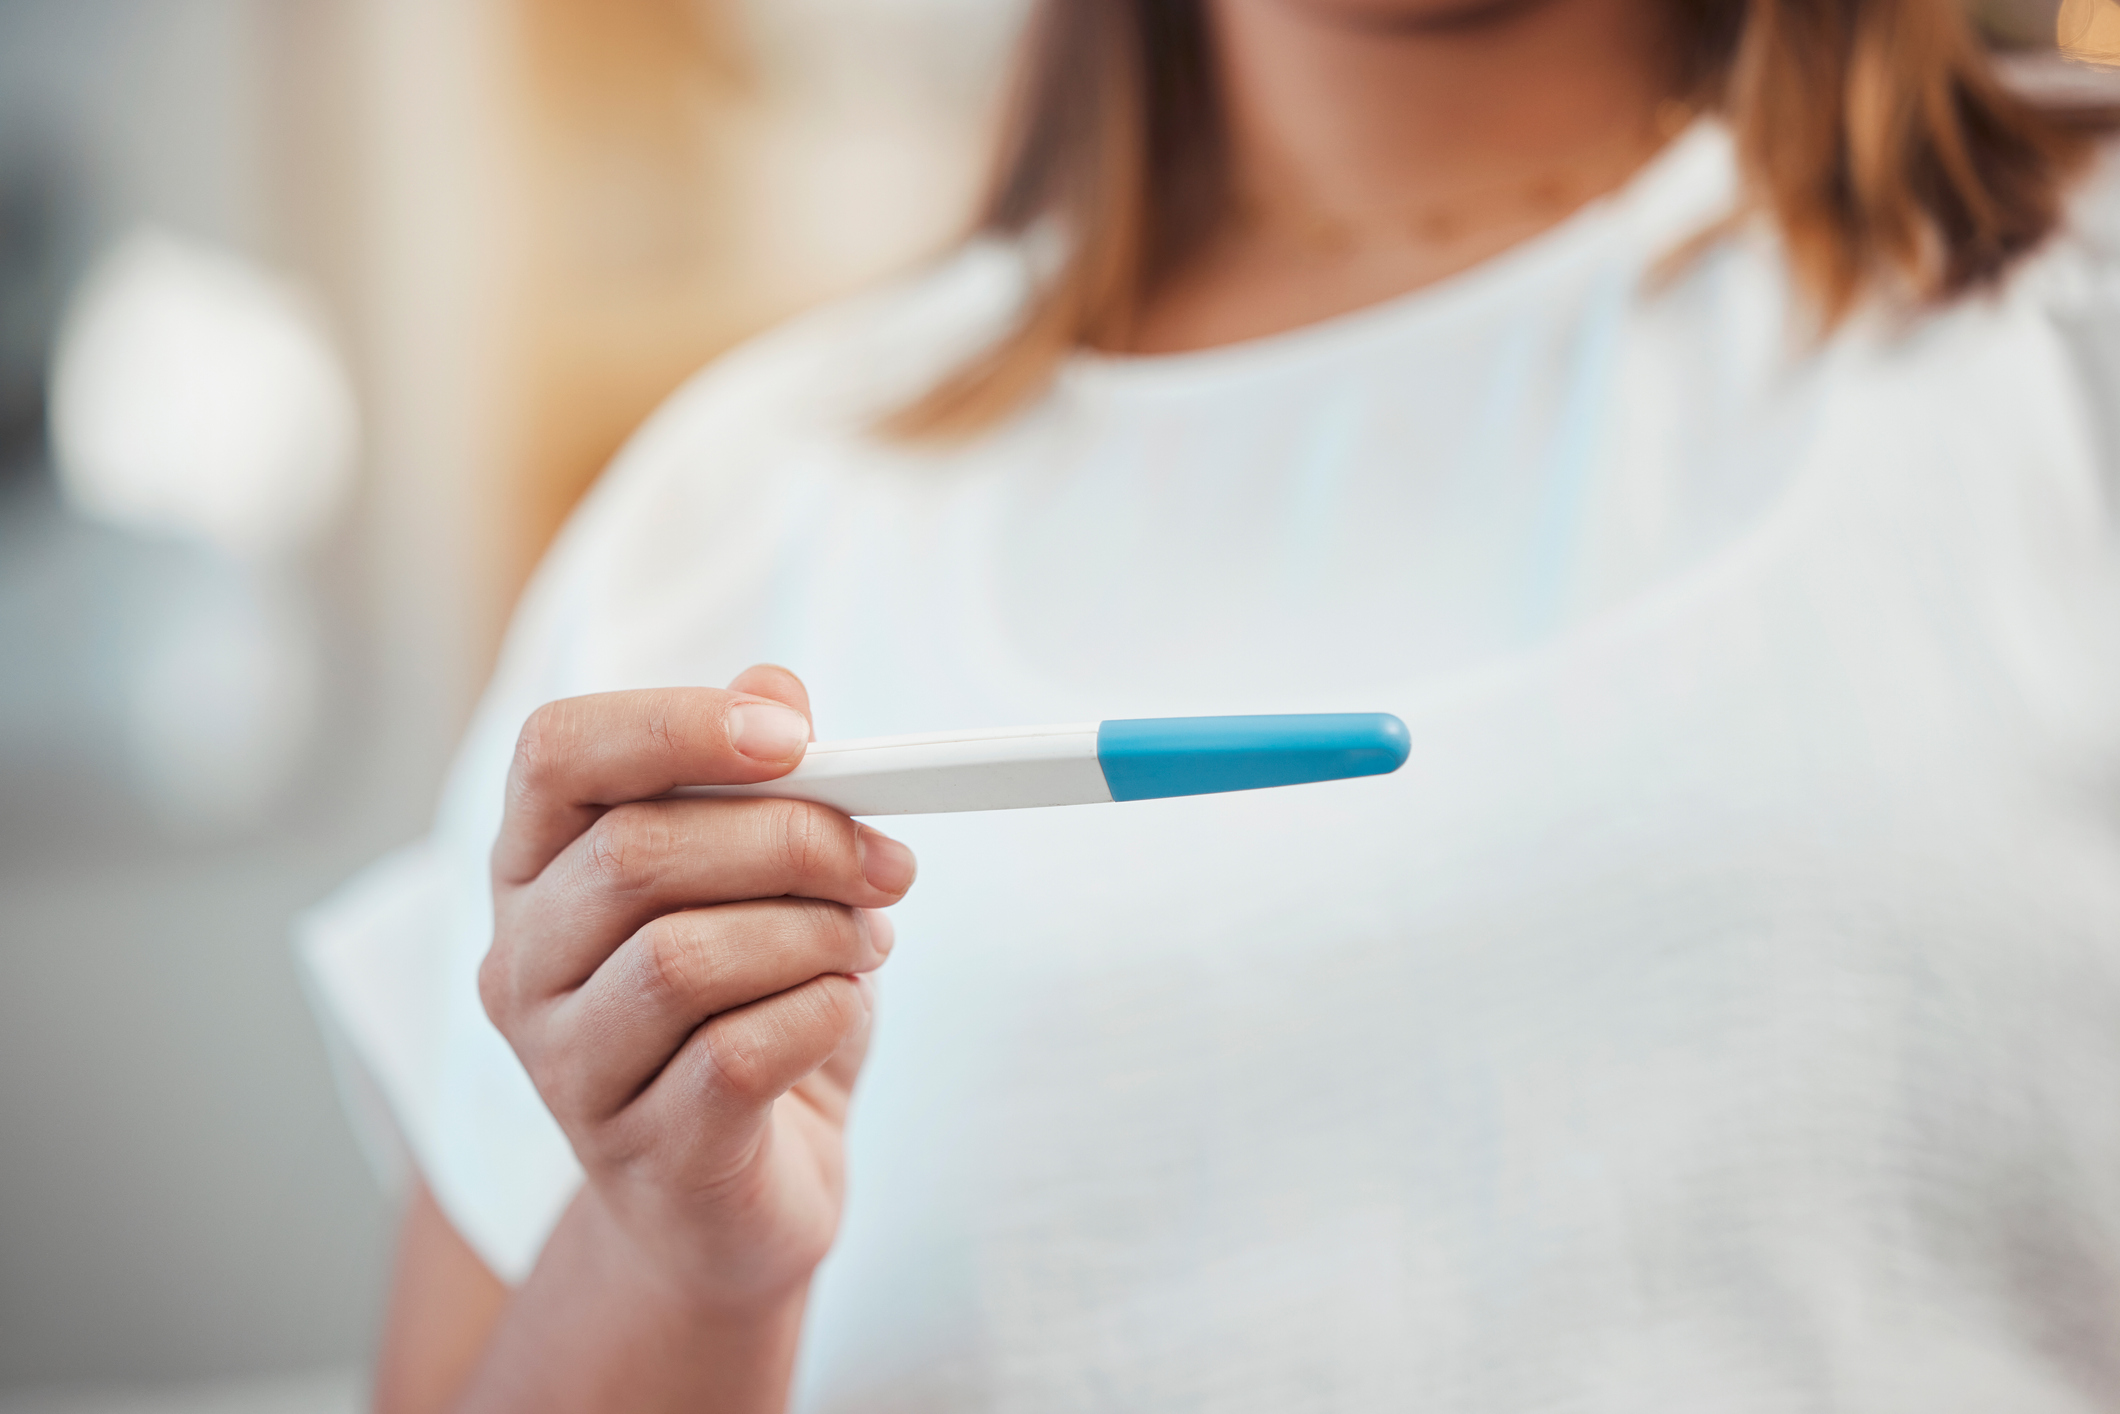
column 642, row 860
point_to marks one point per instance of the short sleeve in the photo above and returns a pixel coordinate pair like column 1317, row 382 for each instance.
column 391, row 963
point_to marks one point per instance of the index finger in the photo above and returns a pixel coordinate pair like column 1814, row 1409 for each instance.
column 579, row 757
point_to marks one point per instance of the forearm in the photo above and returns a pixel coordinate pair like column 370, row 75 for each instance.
column 595, row 1328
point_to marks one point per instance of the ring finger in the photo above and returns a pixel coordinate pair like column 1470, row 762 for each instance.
column 682, row 968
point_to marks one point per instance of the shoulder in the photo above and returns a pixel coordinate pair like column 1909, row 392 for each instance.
column 834, row 369
column 2078, row 271
column 743, row 439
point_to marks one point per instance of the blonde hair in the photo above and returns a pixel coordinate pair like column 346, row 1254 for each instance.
column 1874, row 132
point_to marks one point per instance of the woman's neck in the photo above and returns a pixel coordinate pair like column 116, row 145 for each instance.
column 1376, row 146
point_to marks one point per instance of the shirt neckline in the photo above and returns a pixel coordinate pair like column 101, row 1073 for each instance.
column 1678, row 192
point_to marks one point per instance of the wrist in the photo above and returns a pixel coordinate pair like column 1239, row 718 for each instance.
column 599, row 1327
column 680, row 1283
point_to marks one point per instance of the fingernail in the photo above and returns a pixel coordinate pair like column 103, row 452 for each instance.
column 885, row 863
column 883, row 934
column 764, row 732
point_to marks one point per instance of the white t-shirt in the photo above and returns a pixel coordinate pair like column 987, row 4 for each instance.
column 1720, row 1010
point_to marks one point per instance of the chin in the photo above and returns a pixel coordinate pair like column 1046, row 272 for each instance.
column 1415, row 16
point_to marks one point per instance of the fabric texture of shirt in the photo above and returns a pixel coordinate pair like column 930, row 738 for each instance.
column 1721, row 1008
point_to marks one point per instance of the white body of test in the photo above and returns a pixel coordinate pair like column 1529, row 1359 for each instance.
column 1006, row 768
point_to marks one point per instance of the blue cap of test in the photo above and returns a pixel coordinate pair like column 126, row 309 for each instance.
column 1147, row 758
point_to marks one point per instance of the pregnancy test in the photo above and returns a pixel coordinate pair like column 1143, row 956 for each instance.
column 1084, row 763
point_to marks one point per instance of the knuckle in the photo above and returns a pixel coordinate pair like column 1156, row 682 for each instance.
column 824, row 936
column 836, row 927
column 738, row 1066
column 676, row 967
column 807, row 836
column 661, row 732
column 620, row 849
column 537, row 747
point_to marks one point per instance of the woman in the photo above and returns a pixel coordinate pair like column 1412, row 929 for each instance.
column 1721, row 1009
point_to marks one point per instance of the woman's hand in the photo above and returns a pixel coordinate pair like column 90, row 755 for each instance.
column 683, row 980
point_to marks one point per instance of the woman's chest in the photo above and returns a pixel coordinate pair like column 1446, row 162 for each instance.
column 1667, row 962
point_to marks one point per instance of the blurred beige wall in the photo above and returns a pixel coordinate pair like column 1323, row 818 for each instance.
column 628, row 262
column 571, row 205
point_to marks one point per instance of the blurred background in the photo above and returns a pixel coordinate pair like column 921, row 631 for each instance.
column 316, row 316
